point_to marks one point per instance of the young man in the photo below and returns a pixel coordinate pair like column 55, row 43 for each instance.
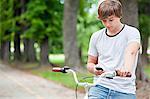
column 114, row 47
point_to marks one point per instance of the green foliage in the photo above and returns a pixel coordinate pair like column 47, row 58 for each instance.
column 147, row 70
column 86, row 27
column 87, row 24
column 44, row 20
column 6, row 19
column 144, row 1
column 144, row 21
column 41, row 19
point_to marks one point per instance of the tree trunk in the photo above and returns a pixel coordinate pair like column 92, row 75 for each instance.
column 6, row 51
column 29, row 54
column 71, row 50
column 5, row 48
column 130, row 17
column 130, row 12
column 144, row 56
column 17, row 52
column 1, row 51
column 140, row 75
column 29, row 51
column 44, row 60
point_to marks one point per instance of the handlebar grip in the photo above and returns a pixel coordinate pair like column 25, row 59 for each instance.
column 62, row 70
column 57, row 69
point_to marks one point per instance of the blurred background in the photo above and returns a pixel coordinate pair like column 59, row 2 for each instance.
column 37, row 34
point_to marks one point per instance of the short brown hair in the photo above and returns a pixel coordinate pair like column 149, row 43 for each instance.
column 108, row 8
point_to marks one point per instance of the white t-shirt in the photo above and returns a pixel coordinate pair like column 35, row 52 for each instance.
column 110, row 51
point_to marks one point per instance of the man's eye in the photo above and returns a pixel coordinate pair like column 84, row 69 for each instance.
column 104, row 20
column 111, row 20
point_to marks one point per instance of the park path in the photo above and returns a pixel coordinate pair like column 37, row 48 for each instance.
column 15, row 84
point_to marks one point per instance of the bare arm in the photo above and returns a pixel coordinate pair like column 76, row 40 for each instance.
column 130, row 55
column 92, row 61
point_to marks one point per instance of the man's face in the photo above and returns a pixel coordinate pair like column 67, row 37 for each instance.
column 111, row 22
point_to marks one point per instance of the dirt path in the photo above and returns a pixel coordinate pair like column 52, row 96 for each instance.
column 15, row 84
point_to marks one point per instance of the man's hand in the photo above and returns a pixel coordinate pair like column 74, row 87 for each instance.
column 123, row 73
column 98, row 72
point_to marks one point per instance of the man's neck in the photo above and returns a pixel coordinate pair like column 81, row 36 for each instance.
column 115, row 30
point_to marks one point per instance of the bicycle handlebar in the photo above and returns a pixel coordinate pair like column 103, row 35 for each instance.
column 58, row 69
column 86, row 85
column 109, row 75
column 67, row 70
column 116, row 72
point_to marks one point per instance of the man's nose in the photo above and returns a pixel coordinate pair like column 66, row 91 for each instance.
column 107, row 24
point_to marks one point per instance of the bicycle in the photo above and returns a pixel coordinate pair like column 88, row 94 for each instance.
column 86, row 85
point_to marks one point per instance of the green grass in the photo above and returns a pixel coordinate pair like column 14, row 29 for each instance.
column 60, row 78
column 147, row 70
column 65, row 79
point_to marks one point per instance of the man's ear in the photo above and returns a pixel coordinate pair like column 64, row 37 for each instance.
column 98, row 17
column 120, row 17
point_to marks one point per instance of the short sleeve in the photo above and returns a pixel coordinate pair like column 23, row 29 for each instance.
column 92, row 46
column 134, row 36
